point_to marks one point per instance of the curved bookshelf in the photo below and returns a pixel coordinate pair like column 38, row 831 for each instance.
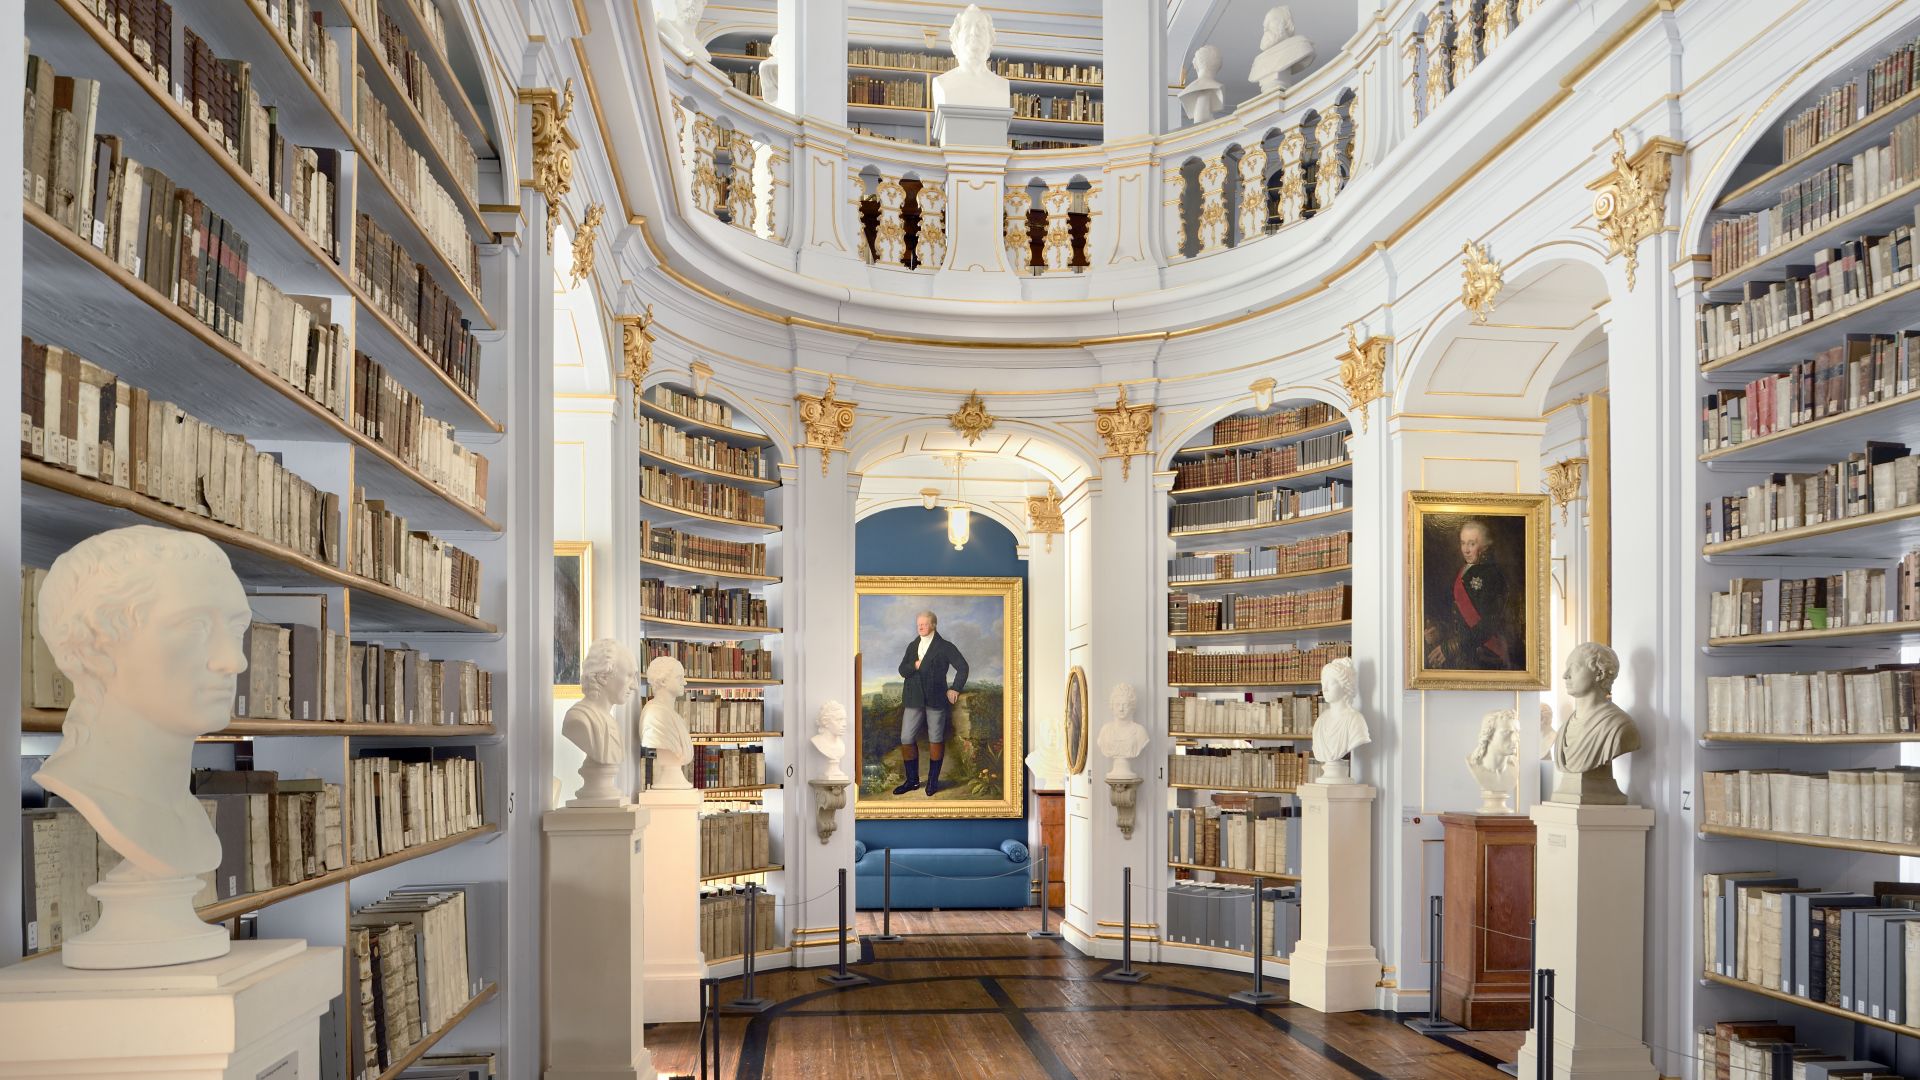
column 1868, row 847
column 51, row 721
column 1291, row 575
column 1338, row 470
column 1840, row 145
column 699, row 571
column 1264, row 631
column 1843, row 633
column 736, row 478
column 664, row 413
column 742, row 631
column 1263, row 526
column 695, row 515
column 1264, row 440
column 1263, row 875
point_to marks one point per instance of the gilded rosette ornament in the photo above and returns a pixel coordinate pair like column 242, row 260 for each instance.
column 553, row 147
column 1361, row 369
column 636, row 352
column 1480, row 280
column 1044, row 515
column 1126, row 429
column 583, row 242
column 971, row 419
column 827, row 420
column 1630, row 203
column 1563, row 483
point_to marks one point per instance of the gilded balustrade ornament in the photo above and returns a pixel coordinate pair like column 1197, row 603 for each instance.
column 1044, row 515
column 930, row 246
column 971, row 419
column 1253, row 192
column 1480, row 280
column 1631, row 201
column 1563, row 483
column 553, row 147
column 1056, row 244
column 827, row 420
column 636, row 352
column 1019, row 246
column 583, row 242
column 1126, row 429
column 1361, row 369
column 1213, row 206
column 740, row 199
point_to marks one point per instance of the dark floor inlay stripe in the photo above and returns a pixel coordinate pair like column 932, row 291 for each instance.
column 1466, row 1048
column 1036, row 1043
column 1314, row 1043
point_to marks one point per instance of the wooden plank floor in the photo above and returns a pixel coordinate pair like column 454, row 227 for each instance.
column 972, row 996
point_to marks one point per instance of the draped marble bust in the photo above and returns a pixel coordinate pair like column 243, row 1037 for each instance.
column 1597, row 732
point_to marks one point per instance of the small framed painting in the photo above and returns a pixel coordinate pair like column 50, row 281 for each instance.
column 1076, row 714
column 572, row 613
column 1477, row 586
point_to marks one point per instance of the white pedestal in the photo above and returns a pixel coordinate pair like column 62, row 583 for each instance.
column 1590, row 876
column 971, row 125
column 670, row 907
column 594, row 992
column 253, row 1014
column 1334, row 968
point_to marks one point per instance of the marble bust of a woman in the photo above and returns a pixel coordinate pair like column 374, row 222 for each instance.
column 1597, row 731
column 662, row 728
column 1340, row 728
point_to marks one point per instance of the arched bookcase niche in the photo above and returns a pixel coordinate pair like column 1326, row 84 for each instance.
column 1259, row 596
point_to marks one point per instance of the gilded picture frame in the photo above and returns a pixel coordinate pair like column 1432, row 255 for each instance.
column 572, row 613
column 985, row 749
column 1476, row 588
column 1077, row 724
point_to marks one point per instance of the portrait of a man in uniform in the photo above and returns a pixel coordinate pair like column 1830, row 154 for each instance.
column 1473, row 576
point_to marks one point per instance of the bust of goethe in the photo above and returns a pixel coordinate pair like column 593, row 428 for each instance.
column 971, row 82
column 1340, row 728
column 1122, row 738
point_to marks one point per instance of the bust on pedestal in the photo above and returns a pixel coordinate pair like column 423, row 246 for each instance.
column 1283, row 52
column 607, row 677
column 1493, row 759
column 830, row 788
column 679, row 24
column 671, row 845
column 1340, row 729
column 770, row 70
column 1334, row 967
column 1205, row 96
column 972, row 106
column 662, row 729
column 1596, row 733
column 1121, row 739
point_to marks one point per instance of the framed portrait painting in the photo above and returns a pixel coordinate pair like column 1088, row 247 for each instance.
column 1477, row 591
column 977, row 740
column 1076, row 721
column 572, row 613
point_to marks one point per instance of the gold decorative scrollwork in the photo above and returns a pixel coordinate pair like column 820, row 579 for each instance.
column 1563, row 483
column 553, row 147
column 827, row 420
column 1126, row 429
column 1480, row 280
column 636, row 351
column 1630, row 202
column 583, row 242
column 1044, row 515
column 971, row 419
column 1361, row 369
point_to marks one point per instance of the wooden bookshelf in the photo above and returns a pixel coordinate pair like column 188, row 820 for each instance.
column 413, row 127
column 1824, row 440
column 677, row 465
column 1235, row 685
column 721, row 430
column 418, row 1050
column 703, row 572
column 1260, row 579
column 734, row 736
column 1809, row 1003
column 1188, row 452
column 1839, row 146
column 1265, row 631
column 1876, row 216
column 241, row 905
column 1894, row 630
column 1240, row 790
column 717, row 681
column 739, row 793
column 51, row 721
column 695, row 515
column 1882, row 530
column 438, row 64
column 1286, row 525
column 1340, row 470
column 1869, row 847
column 755, row 871
column 1895, row 308
column 1847, row 739
column 1263, row 875
column 729, row 629
column 1194, row 736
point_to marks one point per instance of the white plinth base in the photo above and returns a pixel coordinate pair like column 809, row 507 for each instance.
column 594, row 992
column 1334, row 967
column 599, row 786
column 145, row 922
column 1590, row 874
column 971, row 125
column 670, row 848
column 253, row 1014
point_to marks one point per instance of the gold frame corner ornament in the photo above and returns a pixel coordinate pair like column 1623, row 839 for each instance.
column 971, row 420
column 583, row 242
column 1481, row 280
column 1563, row 480
column 827, row 420
column 1630, row 201
column 1045, row 517
column 1362, row 372
column 1534, row 572
column 1126, row 429
column 553, row 147
column 636, row 352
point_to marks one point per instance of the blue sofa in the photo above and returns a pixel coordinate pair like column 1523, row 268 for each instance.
column 945, row 877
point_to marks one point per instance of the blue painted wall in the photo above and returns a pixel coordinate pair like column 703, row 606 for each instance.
column 910, row 540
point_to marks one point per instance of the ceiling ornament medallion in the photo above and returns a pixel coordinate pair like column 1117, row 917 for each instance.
column 827, row 419
column 1044, row 515
column 1361, row 369
column 1126, row 429
column 1563, row 483
column 972, row 419
column 636, row 352
column 1480, row 280
column 1630, row 203
column 553, row 147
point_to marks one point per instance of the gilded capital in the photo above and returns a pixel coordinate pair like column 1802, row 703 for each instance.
column 1630, row 201
column 636, row 352
column 1563, row 483
column 553, row 147
column 1044, row 515
column 1126, row 430
column 1362, row 368
column 827, row 420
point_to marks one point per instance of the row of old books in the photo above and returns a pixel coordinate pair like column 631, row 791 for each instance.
column 415, row 75
column 1837, row 278
column 726, row 766
column 1851, row 598
column 702, row 604
column 1856, row 951
column 1742, row 1049
column 898, row 93
column 1880, row 805
column 1253, row 668
column 1258, row 611
column 406, row 798
column 725, row 712
column 1881, row 478
column 1220, row 916
column 1835, row 110
column 1081, row 106
column 724, row 918
column 405, row 292
column 1267, row 768
column 664, row 439
column 144, row 28
column 1271, row 425
column 1818, row 200
column 732, row 841
column 387, row 412
column 304, row 29
column 390, row 151
column 701, row 409
column 1267, row 463
column 393, row 684
column 419, row 564
column 1262, row 836
column 703, row 552
column 700, row 497
column 747, row 82
column 80, row 418
column 1327, row 552
column 1267, row 507
column 1866, row 370
column 1284, row 714
column 274, row 830
column 411, row 971
column 1860, row 701
column 716, row 659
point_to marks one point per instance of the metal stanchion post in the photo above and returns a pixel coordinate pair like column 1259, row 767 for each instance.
column 748, row 1001
column 841, row 976
column 886, row 933
column 1126, row 974
column 1043, row 934
column 1543, row 1024
column 1259, row 995
column 1436, row 935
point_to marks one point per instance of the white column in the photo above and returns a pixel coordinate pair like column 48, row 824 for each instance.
column 813, row 82
column 1134, row 53
column 593, row 980
column 1047, row 662
column 1123, row 241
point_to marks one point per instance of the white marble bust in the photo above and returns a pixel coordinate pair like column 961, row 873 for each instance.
column 679, row 24
column 971, row 83
column 770, row 70
column 1205, row 96
column 1494, row 758
column 149, row 625
column 1122, row 738
column 662, row 728
column 607, row 679
column 1597, row 731
column 1546, row 731
column 1340, row 729
column 1283, row 51
column 830, row 738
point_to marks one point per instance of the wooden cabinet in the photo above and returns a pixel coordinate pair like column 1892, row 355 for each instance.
column 1051, row 808
column 1485, row 978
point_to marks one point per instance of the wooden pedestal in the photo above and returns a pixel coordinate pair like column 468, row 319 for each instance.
column 1052, row 807
column 1484, row 980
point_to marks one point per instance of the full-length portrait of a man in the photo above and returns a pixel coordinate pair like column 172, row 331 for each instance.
column 927, row 699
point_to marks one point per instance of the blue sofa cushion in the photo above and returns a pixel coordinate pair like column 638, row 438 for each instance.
column 950, row 878
column 859, row 850
column 1016, row 851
